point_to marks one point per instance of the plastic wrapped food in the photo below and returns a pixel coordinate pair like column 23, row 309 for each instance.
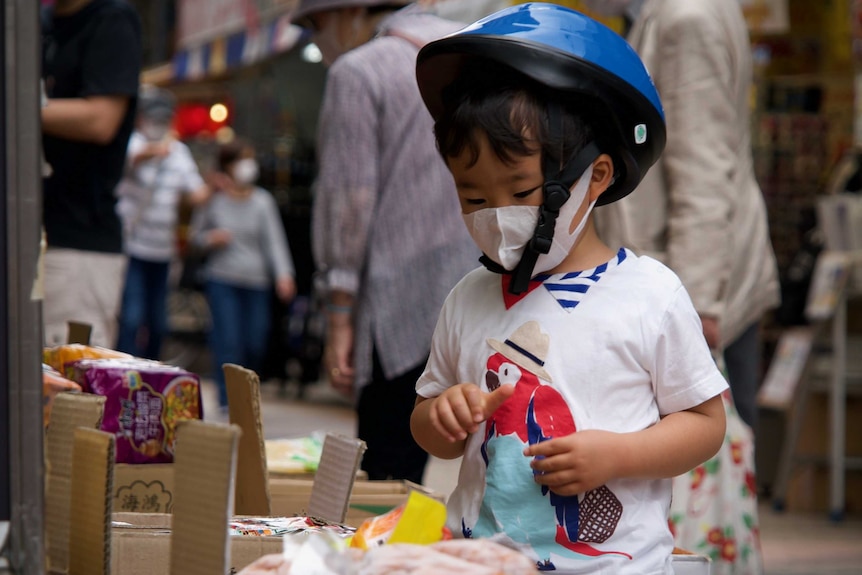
column 501, row 559
column 57, row 357
column 145, row 402
column 269, row 565
column 53, row 384
column 295, row 455
column 462, row 557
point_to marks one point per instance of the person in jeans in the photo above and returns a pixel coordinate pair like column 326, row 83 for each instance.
column 160, row 171
column 248, row 255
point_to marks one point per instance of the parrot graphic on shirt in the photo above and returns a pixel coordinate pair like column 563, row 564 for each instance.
column 528, row 513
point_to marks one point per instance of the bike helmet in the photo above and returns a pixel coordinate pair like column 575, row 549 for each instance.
column 566, row 52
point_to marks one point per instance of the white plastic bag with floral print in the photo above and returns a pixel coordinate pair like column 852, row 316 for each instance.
column 714, row 507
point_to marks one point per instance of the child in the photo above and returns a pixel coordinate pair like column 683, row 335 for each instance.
column 573, row 379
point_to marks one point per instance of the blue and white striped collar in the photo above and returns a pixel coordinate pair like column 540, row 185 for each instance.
column 569, row 289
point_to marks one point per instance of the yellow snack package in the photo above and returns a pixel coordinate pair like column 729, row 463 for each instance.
column 421, row 520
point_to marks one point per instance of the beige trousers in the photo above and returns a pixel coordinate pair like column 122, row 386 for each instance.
column 85, row 287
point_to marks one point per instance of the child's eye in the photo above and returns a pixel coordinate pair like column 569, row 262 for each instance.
column 474, row 201
column 527, row 193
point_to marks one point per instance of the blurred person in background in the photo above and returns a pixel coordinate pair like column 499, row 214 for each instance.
column 461, row 11
column 160, row 170
column 91, row 61
column 387, row 232
column 247, row 256
column 701, row 212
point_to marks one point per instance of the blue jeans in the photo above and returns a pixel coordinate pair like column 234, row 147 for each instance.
column 240, row 328
column 143, row 306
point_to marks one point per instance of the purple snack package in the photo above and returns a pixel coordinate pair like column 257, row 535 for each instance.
column 145, row 402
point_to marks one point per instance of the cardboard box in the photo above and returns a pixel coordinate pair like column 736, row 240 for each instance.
column 144, row 488
column 368, row 498
column 141, row 545
column 71, row 411
column 150, row 488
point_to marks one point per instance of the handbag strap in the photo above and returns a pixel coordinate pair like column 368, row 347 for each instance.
column 398, row 34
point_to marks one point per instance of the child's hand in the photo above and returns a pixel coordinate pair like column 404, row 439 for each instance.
column 576, row 463
column 460, row 409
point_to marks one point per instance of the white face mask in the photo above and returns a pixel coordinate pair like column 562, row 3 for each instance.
column 153, row 131
column 609, row 7
column 245, row 171
column 502, row 233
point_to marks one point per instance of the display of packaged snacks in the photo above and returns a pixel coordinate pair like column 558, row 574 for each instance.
column 295, row 455
column 57, row 357
column 279, row 526
column 53, row 384
column 145, row 402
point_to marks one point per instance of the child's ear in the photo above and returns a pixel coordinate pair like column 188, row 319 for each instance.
column 603, row 176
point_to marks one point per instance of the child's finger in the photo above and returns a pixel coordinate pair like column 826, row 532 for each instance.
column 492, row 401
column 545, row 448
column 463, row 409
column 448, row 422
column 475, row 398
column 542, row 465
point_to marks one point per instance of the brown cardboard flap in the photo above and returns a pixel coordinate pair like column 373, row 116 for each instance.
column 70, row 411
column 92, row 473
column 146, row 488
column 78, row 332
column 252, row 487
column 335, row 475
column 204, row 478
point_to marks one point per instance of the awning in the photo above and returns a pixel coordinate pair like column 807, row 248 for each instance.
column 237, row 50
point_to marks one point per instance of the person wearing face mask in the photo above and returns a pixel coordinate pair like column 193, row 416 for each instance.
column 248, row 256
column 160, row 171
column 702, row 212
column 386, row 232
column 571, row 377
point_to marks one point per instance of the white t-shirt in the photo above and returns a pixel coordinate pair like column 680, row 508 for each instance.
column 149, row 196
column 614, row 348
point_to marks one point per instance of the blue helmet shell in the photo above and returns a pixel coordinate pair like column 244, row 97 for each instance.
column 567, row 52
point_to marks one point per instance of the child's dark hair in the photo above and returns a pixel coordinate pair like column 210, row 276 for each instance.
column 511, row 110
column 231, row 151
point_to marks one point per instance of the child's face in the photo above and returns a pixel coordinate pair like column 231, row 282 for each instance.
column 492, row 183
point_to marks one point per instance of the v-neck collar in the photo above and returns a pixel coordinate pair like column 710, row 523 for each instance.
column 569, row 289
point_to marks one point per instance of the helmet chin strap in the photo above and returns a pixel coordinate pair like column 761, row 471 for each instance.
column 555, row 193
